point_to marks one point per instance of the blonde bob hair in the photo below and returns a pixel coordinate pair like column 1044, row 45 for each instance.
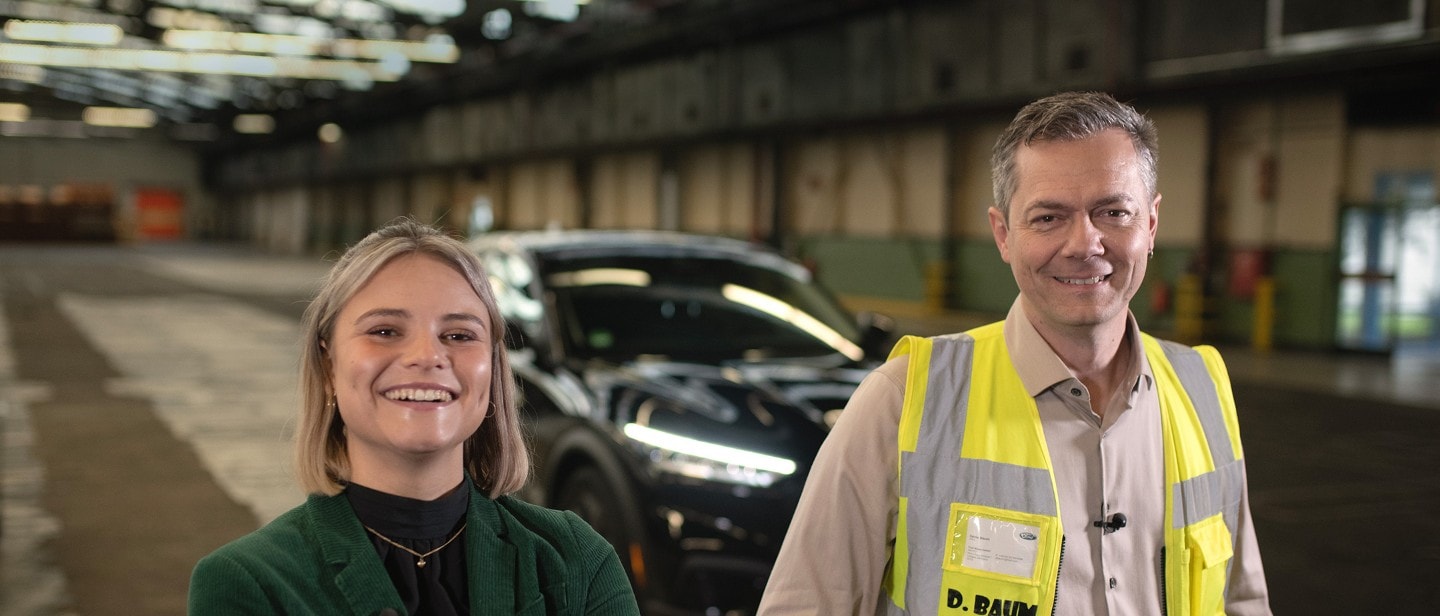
column 496, row 458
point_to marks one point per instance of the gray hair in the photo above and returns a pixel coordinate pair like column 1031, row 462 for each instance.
column 496, row 457
column 1070, row 116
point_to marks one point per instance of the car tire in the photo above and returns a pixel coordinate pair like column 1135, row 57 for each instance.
column 593, row 497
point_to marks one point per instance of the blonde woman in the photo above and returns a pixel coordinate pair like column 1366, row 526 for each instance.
column 409, row 444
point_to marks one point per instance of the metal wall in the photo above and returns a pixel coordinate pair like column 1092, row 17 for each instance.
column 862, row 145
column 904, row 61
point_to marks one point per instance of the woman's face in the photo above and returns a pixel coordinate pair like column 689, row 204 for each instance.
column 410, row 364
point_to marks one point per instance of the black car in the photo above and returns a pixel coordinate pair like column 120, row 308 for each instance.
column 676, row 388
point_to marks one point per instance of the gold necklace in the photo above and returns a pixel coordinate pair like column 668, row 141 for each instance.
column 419, row 558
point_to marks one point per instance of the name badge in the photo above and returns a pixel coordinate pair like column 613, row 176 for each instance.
column 1003, row 547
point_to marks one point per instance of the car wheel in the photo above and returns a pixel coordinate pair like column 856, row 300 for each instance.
column 591, row 495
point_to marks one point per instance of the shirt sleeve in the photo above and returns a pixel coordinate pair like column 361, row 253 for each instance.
column 834, row 555
column 1247, row 594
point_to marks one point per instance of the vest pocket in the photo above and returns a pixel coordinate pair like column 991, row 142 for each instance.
column 997, row 562
column 1209, row 550
column 1007, row 545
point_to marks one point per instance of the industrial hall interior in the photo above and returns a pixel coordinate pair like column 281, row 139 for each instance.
column 177, row 176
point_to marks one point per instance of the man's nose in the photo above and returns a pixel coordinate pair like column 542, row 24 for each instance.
column 1083, row 239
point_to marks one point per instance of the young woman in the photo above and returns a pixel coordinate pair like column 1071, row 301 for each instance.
column 409, row 444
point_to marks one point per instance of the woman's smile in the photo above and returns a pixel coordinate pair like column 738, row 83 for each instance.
column 414, row 393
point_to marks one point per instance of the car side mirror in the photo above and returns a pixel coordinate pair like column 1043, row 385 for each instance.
column 877, row 334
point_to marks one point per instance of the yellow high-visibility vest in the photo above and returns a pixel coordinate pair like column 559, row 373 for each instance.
column 979, row 515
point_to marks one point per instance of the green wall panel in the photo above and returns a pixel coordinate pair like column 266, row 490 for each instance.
column 896, row 269
column 1154, row 303
column 871, row 267
column 982, row 281
column 1305, row 298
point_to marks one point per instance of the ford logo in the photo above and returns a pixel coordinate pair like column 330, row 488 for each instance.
column 1028, row 536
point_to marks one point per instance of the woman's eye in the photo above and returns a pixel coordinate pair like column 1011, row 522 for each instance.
column 384, row 332
column 460, row 336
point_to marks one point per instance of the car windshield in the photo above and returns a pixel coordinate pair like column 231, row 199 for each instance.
column 693, row 308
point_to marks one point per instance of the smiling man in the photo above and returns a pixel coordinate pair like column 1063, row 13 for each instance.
column 1057, row 462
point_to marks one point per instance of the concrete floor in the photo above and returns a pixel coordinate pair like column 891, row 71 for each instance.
column 146, row 397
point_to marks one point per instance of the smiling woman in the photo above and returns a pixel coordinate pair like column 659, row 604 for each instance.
column 409, row 444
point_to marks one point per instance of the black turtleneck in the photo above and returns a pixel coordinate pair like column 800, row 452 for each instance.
column 438, row 588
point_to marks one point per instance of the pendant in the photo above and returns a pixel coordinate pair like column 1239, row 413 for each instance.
column 420, row 563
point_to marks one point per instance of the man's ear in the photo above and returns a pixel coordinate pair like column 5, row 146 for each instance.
column 1000, row 228
column 1154, row 220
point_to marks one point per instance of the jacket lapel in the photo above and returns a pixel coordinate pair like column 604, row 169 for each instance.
column 492, row 559
column 347, row 552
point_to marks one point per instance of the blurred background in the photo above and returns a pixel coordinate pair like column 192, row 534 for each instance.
column 175, row 173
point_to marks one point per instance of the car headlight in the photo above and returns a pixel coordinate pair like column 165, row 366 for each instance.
column 690, row 457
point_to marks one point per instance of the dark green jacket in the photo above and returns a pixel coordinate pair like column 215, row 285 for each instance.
column 316, row 559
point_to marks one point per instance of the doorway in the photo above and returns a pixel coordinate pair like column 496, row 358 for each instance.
column 1389, row 291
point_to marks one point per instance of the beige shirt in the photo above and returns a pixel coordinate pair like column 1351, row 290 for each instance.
column 834, row 555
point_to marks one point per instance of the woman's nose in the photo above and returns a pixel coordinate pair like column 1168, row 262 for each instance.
column 425, row 352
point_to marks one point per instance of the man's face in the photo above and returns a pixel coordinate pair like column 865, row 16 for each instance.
column 1080, row 227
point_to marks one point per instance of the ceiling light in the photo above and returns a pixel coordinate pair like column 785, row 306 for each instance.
column 558, row 10
column 497, row 24
column 18, row 72
column 438, row 48
column 330, row 133
column 63, row 32
column 14, row 112
column 254, row 124
column 430, row 8
column 203, row 63
column 120, row 117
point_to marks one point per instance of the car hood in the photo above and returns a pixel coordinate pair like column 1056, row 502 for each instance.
column 776, row 408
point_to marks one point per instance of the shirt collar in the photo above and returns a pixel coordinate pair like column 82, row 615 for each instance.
column 1040, row 368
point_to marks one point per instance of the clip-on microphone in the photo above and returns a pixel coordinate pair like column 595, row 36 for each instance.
column 1116, row 522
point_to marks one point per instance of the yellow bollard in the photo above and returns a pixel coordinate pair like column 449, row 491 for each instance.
column 1189, row 310
column 937, row 282
column 1262, row 333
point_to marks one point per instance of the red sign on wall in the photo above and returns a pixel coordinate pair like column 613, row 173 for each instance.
column 159, row 213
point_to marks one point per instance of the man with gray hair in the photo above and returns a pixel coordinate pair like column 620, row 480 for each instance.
column 1059, row 462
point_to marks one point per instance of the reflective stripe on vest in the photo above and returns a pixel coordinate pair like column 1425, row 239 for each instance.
column 973, row 460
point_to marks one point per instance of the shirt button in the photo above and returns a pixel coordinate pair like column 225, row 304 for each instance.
column 1112, row 582
column 1075, row 391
